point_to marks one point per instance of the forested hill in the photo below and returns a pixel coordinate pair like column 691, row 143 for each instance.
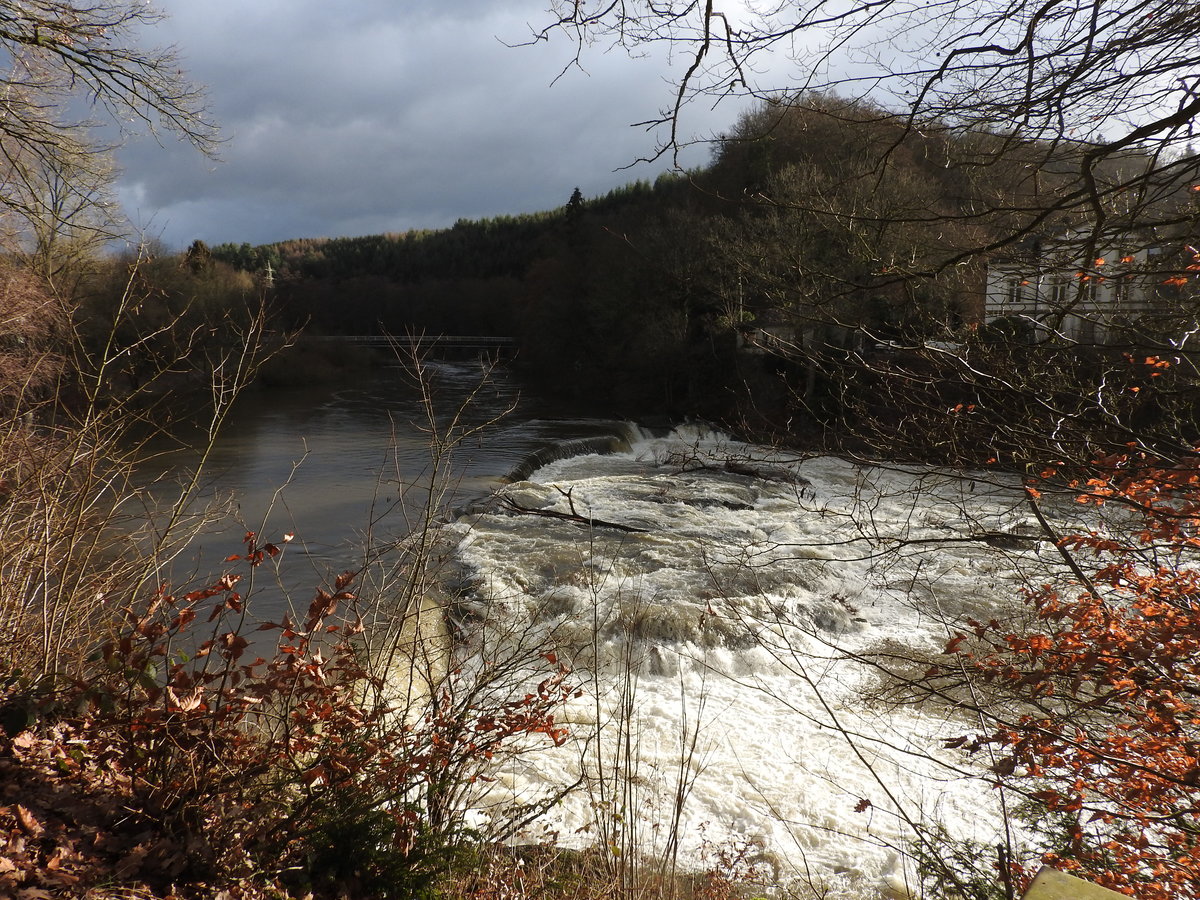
column 648, row 292
column 504, row 246
column 582, row 286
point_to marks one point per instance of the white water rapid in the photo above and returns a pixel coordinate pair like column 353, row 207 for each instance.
column 726, row 627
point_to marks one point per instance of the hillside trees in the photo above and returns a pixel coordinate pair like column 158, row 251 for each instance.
column 622, row 300
column 177, row 312
column 817, row 247
column 1016, row 126
column 834, row 271
column 1029, row 124
column 1078, row 84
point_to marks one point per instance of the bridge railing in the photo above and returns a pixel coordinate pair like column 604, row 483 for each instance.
column 449, row 340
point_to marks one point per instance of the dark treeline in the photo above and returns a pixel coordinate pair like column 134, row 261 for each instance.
column 820, row 229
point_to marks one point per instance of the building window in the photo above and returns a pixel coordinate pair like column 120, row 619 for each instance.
column 1014, row 290
column 1121, row 293
column 1087, row 329
column 1060, row 290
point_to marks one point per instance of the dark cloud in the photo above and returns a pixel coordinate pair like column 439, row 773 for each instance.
column 384, row 117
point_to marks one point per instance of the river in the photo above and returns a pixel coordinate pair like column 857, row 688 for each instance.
column 347, row 465
column 718, row 632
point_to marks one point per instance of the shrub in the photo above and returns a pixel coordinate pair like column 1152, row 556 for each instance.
column 1094, row 716
column 306, row 767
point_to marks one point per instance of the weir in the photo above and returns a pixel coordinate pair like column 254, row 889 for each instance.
column 620, row 439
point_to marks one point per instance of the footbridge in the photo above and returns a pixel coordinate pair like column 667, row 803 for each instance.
column 437, row 345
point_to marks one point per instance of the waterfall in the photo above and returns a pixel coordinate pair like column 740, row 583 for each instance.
column 733, row 623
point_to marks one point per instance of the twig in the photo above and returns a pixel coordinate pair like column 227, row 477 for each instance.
column 570, row 517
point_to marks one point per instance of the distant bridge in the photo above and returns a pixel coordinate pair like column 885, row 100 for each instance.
column 435, row 344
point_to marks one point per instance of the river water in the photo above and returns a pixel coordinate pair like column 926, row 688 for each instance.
column 340, row 466
column 719, row 633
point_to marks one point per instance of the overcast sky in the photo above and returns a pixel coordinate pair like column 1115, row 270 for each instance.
column 373, row 116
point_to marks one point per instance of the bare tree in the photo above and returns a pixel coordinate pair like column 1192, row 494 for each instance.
column 60, row 63
column 1052, row 136
column 61, row 210
column 1098, row 99
column 59, row 49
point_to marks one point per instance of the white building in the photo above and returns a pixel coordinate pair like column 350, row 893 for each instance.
column 1073, row 289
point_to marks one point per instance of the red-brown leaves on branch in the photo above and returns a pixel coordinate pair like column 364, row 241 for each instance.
column 1099, row 715
column 207, row 762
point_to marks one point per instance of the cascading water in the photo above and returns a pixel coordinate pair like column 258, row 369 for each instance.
column 729, row 590
column 617, row 437
column 708, row 596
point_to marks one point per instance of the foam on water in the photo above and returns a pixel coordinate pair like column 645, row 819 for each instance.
column 732, row 616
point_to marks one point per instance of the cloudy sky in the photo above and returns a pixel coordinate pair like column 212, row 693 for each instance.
column 373, row 116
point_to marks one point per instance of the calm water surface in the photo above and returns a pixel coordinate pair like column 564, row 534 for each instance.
column 334, row 464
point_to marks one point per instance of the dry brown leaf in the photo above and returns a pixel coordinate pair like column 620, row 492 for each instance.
column 62, row 878
column 131, row 864
column 29, row 821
